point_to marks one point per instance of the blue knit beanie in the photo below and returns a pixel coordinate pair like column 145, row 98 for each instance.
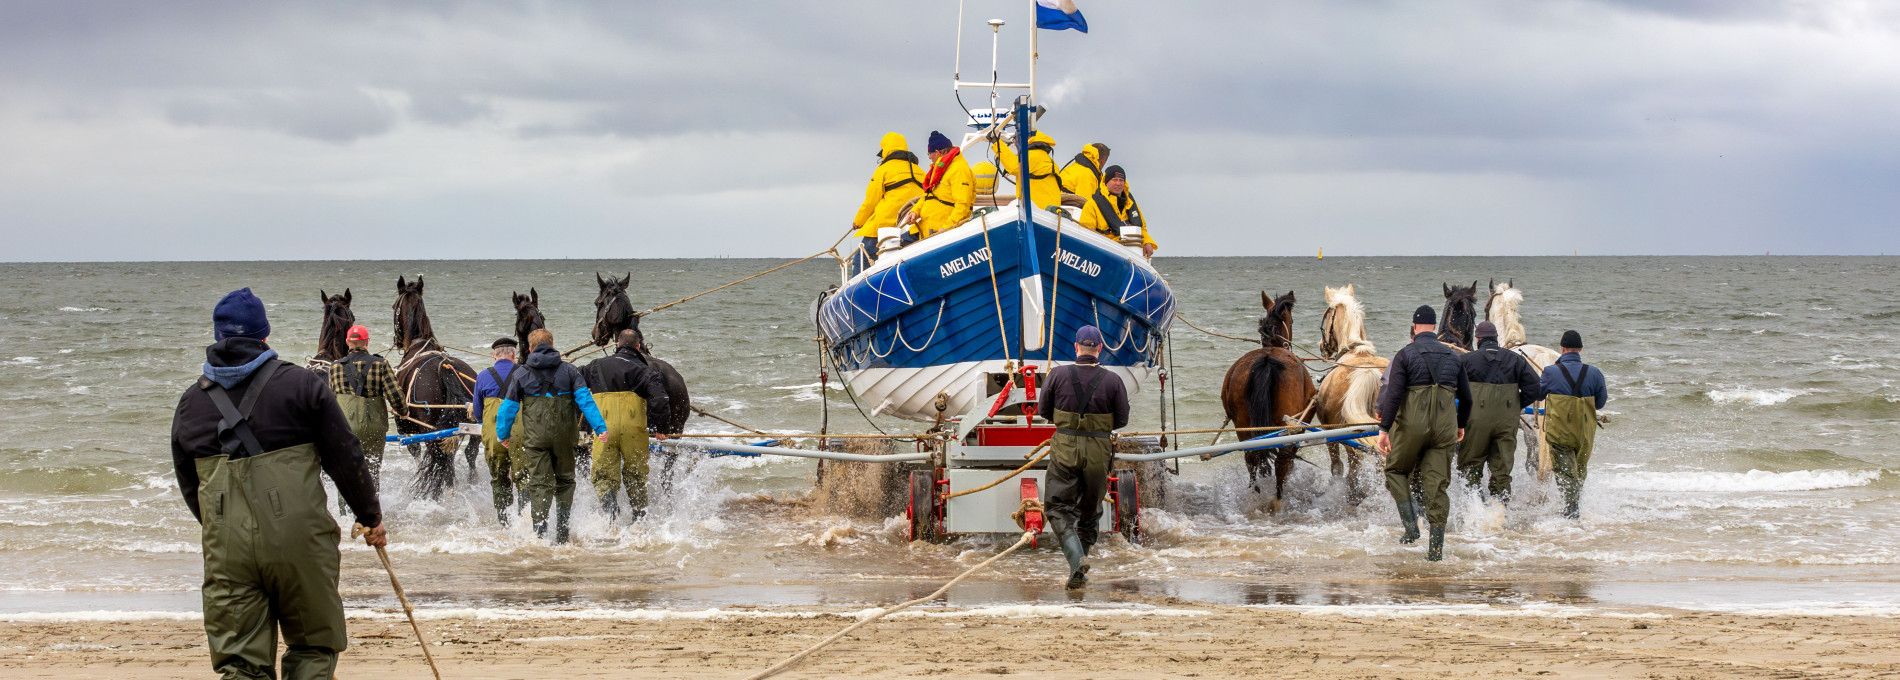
column 239, row 315
column 938, row 142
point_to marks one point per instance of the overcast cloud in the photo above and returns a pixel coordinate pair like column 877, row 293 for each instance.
column 178, row 130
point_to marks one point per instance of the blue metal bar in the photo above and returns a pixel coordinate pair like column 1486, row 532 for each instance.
column 1032, row 269
column 406, row 440
column 1533, row 411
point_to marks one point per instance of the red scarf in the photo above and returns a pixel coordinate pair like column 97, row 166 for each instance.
column 938, row 167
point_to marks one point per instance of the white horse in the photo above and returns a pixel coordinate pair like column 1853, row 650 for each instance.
column 1351, row 389
column 1502, row 312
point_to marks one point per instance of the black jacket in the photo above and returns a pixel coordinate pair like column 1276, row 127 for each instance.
column 1424, row 362
column 296, row 408
column 1063, row 392
column 1495, row 365
column 626, row 370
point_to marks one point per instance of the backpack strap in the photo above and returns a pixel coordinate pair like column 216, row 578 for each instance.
column 235, row 437
column 1575, row 389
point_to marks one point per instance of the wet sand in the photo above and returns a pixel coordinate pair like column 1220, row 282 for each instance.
column 1168, row 640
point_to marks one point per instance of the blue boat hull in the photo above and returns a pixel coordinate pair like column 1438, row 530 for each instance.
column 931, row 318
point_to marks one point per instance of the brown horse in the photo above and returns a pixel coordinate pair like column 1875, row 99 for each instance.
column 1263, row 388
column 1460, row 316
column 337, row 320
column 613, row 312
column 528, row 317
column 436, row 389
column 1351, row 388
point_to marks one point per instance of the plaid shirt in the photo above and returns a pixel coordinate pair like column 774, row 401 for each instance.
column 378, row 381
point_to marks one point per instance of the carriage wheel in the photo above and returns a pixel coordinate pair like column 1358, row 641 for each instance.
column 1127, row 500
column 921, row 509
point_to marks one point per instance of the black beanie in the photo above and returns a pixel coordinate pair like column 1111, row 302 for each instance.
column 1113, row 172
column 1425, row 315
column 1572, row 340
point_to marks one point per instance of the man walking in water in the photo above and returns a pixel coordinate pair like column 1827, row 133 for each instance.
column 1422, row 415
column 363, row 384
column 1086, row 402
column 1502, row 384
column 631, row 395
column 482, row 408
column 546, row 398
column 248, row 440
column 1574, row 391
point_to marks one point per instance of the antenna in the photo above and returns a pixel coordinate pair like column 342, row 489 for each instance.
column 996, row 33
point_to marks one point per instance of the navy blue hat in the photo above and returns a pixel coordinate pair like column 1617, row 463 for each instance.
column 239, row 315
column 1425, row 315
column 938, row 142
column 1571, row 340
column 1088, row 336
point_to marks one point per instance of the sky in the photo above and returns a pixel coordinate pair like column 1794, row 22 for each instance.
column 219, row 131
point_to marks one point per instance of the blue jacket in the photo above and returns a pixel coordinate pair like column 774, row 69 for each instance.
column 486, row 386
column 546, row 376
column 1590, row 378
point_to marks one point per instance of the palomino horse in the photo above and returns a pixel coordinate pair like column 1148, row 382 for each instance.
column 1501, row 311
column 613, row 312
column 1460, row 316
column 436, row 389
column 337, row 320
column 1265, row 386
column 528, row 317
column 1350, row 390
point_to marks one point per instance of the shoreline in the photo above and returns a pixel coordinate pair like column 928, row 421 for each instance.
column 1152, row 639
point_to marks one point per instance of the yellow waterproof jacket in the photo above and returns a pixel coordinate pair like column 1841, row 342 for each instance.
column 948, row 205
column 1043, row 185
column 895, row 182
column 1083, row 175
column 1124, row 208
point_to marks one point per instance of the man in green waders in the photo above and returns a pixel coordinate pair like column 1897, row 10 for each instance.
column 363, row 384
column 1573, row 392
column 1502, row 384
column 631, row 394
column 544, row 402
column 1087, row 403
column 1422, row 414
column 482, row 407
column 248, row 441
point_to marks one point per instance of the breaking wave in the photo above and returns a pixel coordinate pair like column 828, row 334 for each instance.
column 1750, row 481
column 1755, row 397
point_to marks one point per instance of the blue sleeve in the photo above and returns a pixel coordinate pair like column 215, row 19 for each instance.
column 585, row 398
column 1548, row 381
column 505, row 418
column 1601, row 386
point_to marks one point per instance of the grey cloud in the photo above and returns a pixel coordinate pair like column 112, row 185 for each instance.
column 331, row 116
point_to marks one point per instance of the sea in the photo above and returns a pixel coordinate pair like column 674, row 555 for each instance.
column 1752, row 462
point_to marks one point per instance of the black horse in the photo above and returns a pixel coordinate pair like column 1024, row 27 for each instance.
column 613, row 312
column 1460, row 317
column 528, row 317
column 436, row 389
column 337, row 320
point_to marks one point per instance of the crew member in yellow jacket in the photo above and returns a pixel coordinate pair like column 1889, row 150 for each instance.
column 894, row 183
column 1044, row 188
column 1083, row 175
column 949, row 189
column 1114, row 206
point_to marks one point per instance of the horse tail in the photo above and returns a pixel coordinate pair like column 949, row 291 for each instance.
column 1362, row 389
column 1261, row 384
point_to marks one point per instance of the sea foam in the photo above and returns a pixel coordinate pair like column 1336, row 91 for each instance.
column 1750, row 481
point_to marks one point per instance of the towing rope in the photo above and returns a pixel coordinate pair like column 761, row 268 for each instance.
column 782, row 267
column 781, row 666
column 1311, row 356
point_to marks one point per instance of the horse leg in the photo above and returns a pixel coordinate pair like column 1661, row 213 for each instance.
column 1282, row 469
column 474, row 446
column 1338, row 466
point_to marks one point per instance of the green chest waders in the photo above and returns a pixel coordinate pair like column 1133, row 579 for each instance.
column 1424, row 435
column 1570, row 427
column 1077, row 476
column 621, row 462
column 1491, row 436
column 270, row 553
column 501, row 481
column 543, row 459
column 369, row 421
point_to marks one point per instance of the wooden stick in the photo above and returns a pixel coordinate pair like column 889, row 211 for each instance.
column 407, row 609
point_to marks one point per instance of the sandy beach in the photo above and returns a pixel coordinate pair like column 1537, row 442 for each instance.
column 1147, row 640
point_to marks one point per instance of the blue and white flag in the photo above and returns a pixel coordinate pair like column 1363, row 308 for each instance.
column 1057, row 15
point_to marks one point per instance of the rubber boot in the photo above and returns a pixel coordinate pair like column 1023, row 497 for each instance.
column 1408, row 518
column 1071, row 545
column 561, row 513
column 1573, row 497
column 1435, row 550
column 610, row 508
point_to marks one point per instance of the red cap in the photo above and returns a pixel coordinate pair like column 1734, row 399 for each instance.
column 357, row 333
